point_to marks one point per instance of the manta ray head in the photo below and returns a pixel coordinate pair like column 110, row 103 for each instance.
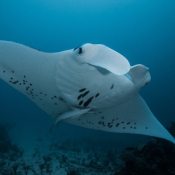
column 101, row 56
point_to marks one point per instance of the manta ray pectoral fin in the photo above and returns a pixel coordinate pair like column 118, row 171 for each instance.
column 31, row 72
column 133, row 116
column 139, row 75
column 104, row 57
column 75, row 113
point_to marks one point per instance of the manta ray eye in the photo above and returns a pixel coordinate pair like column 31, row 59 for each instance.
column 78, row 49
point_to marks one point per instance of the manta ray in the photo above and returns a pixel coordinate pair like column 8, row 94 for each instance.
column 91, row 86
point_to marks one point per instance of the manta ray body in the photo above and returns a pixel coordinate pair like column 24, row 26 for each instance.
column 91, row 86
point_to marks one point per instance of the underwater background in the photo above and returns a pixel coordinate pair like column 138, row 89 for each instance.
column 141, row 30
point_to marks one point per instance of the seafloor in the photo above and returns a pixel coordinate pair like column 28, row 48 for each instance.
column 82, row 157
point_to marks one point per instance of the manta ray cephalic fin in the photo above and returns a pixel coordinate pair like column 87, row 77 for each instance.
column 76, row 113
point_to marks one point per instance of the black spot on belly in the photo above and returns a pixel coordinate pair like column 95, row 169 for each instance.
column 79, row 97
column 4, row 71
column 117, row 124
column 128, row 123
column 81, row 102
column 12, row 71
column 24, row 76
column 81, row 90
column 61, row 99
column 97, row 95
column 15, row 82
column 88, row 101
column 112, row 86
column 85, row 93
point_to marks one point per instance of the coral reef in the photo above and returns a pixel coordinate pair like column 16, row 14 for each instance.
column 8, row 152
column 155, row 157
column 86, row 156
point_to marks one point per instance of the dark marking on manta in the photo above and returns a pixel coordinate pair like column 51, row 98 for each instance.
column 81, row 102
column 146, row 127
column 15, row 82
column 61, row 99
column 79, row 97
column 12, row 71
column 88, row 101
column 81, row 90
column 112, row 86
column 97, row 95
column 117, row 124
column 4, row 71
column 128, row 123
column 83, row 95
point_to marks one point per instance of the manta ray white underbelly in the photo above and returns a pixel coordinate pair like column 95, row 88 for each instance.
column 91, row 86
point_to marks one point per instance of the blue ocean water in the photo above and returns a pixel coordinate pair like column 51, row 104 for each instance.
column 141, row 30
